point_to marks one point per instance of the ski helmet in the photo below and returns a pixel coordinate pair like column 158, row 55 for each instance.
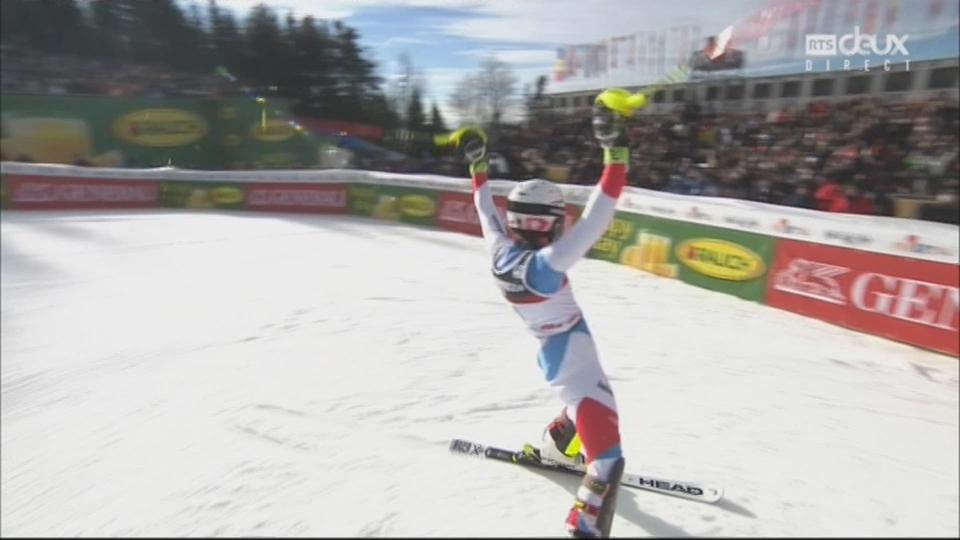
column 535, row 212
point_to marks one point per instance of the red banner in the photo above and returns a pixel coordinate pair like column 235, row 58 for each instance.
column 43, row 193
column 310, row 198
column 908, row 300
column 458, row 213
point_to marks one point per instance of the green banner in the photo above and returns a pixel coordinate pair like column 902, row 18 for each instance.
column 260, row 136
column 714, row 258
column 362, row 199
column 189, row 133
column 395, row 203
column 202, row 195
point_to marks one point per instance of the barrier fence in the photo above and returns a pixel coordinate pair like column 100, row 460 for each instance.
column 889, row 277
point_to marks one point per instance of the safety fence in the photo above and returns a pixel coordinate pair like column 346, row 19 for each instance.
column 889, row 277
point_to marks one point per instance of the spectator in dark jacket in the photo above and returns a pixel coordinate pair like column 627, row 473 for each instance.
column 801, row 197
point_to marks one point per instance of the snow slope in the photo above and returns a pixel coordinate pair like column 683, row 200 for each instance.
column 181, row 373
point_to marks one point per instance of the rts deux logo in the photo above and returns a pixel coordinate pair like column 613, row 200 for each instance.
column 857, row 44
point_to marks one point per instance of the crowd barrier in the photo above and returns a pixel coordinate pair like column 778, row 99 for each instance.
column 889, row 277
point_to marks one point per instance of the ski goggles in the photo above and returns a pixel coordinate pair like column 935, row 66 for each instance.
column 530, row 222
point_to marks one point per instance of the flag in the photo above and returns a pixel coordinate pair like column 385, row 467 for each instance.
column 560, row 66
column 829, row 14
column 602, row 52
column 585, row 60
column 870, row 16
column 642, row 52
column 589, row 61
column 890, row 17
column 661, row 52
column 793, row 32
column 853, row 9
column 651, row 52
column 684, row 53
column 934, row 9
column 573, row 61
column 813, row 14
column 723, row 39
column 672, row 46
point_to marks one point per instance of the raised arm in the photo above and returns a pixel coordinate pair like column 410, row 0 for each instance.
column 473, row 143
column 610, row 108
column 600, row 207
column 494, row 231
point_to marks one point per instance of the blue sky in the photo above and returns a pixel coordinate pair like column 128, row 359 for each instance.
column 445, row 39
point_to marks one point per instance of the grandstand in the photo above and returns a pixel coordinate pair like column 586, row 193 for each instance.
column 733, row 92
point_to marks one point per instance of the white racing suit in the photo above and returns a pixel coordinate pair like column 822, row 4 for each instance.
column 536, row 284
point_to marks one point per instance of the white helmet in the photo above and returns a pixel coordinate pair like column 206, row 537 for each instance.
column 535, row 212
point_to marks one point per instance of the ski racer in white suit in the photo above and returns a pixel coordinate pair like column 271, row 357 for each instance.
column 530, row 268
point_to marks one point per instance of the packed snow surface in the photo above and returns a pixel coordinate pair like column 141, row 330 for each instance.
column 195, row 373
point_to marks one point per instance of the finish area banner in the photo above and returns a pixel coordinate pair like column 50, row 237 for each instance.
column 904, row 299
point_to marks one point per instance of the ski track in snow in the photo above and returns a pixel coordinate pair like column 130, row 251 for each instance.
column 174, row 373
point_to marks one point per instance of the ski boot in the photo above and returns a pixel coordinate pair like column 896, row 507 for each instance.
column 559, row 445
column 561, row 442
column 592, row 512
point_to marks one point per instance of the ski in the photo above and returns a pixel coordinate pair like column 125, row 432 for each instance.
column 687, row 490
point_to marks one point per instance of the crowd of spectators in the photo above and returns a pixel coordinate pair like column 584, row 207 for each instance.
column 851, row 156
column 31, row 71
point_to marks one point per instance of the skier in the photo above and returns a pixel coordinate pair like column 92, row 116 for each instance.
column 530, row 267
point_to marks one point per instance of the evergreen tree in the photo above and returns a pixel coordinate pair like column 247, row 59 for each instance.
column 415, row 117
column 65, row 26
column 355, row 81
column 313, row 63
column 437, row 125
column 266, row 48
column 15, row 24
column 227, row 44
column 55, row 26
column 156, row 32
column 537, row 108
column 111, row 21
column 322, row 70
column 197, row 42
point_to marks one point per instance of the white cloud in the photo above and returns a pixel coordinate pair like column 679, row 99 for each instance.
column 554, row 21
column 575, row 21
column 337, row 9
column 402, row 40
column 515, row 56
column 543, row 24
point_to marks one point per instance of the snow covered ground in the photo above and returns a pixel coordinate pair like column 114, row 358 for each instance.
column 181, row 373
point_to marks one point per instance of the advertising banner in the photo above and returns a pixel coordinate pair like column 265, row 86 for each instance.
column 106, row 131
column 44, row 193
column 248, row 139
column 143, row 132
column 734, row 262
column 395, row 203
column 362, row 199
column 309, row 198
column 908, row 300
column 202, row 195
column 458, row 213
